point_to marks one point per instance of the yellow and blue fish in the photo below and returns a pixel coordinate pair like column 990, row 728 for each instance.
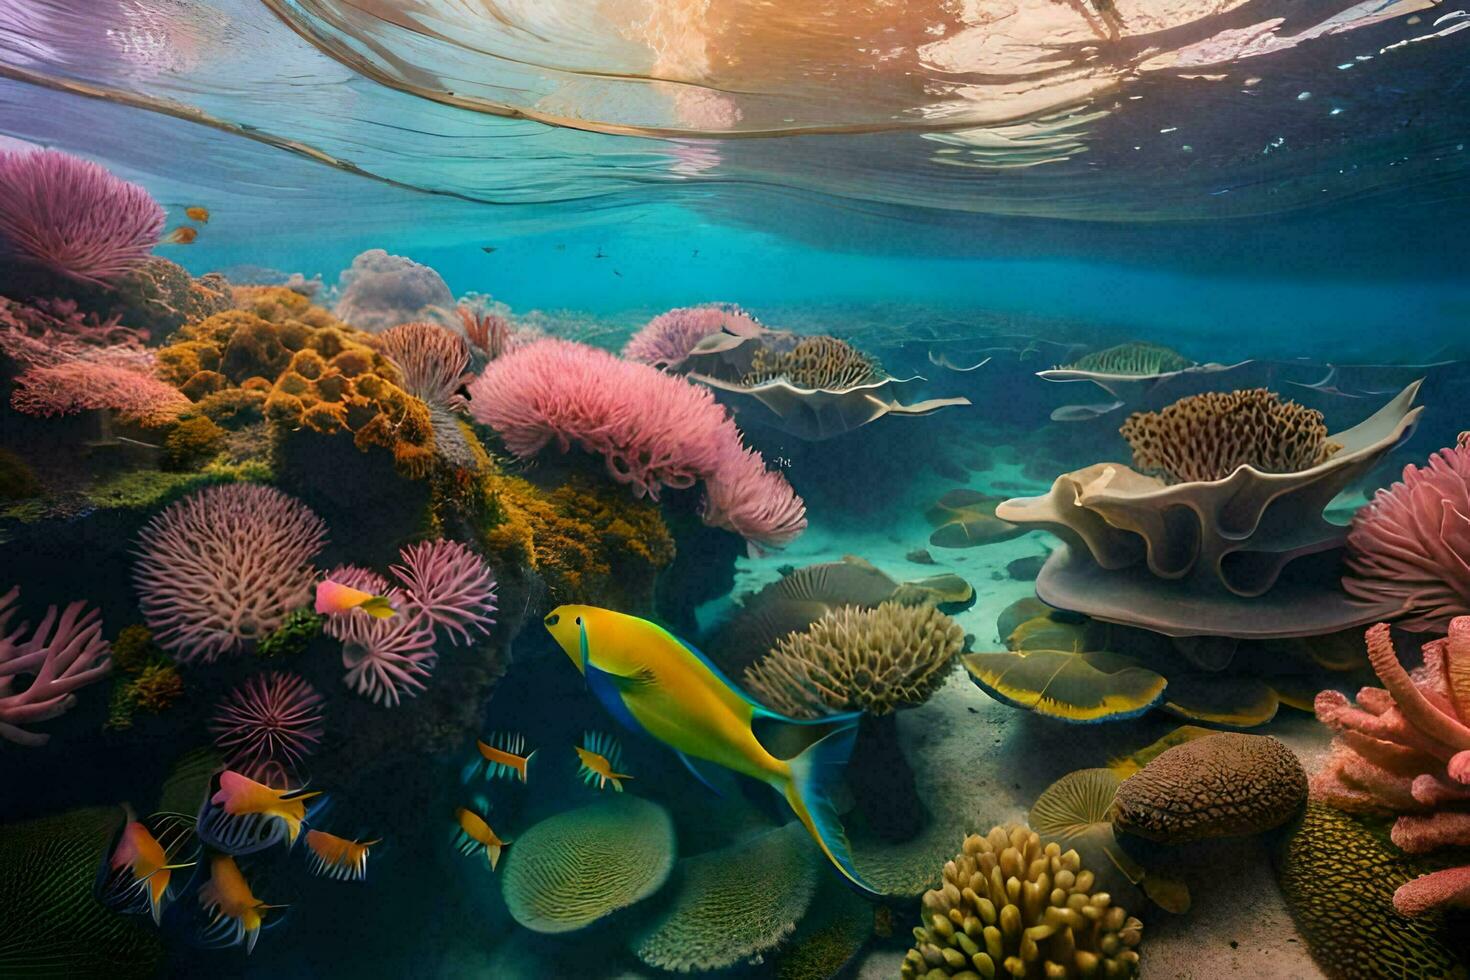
column 653, row 682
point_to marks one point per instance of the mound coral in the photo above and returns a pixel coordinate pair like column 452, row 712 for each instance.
column 1010, row 905
column 1339, row 878
column 73, row 217
column 1136, row 357
column 651, row 429
column 873, row 660
column 223, row 567
column 546, row 882
column 1409, row 545
column 64, row 653
column 272, row 718
column 1209, row 436
column 448, row 585
column 379, row 291
column 733, row 904
column 1224, row 785
column 666, row 340
column 1404, row 748
column 814, row 362
column 386, row 659
column 432, row 359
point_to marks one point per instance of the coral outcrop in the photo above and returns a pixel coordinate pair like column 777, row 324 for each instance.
column 380, row 290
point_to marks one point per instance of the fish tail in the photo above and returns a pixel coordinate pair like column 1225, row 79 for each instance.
column 525, row 765
column 813, row 774
column 378, row 607
column 617, row 783
column 492, row 854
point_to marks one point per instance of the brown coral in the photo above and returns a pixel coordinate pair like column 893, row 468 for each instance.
column 815, row 362
column 156, row 687
column 1209, row 436
column 1224, row 785
column 1010, row 906
column 873, row 660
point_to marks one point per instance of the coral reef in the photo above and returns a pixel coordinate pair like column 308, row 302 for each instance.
column 17, row 480
column 74, row 218
column 547, row 884
column 64, row 654
column 1136, row 357
column 733, row 904
column 758, row 504
column 666, row 340
column 490, row 333
column 156, row 687
column 1077, row 812
column 837, row 926
column 873, row 660
column 386, row 659
column 92, row 385
column 814, row 362
column 1010, row 904
column 1339, row 877
column 223, row 567
column 432, row 359
column 449, row 587
column 1209, row 436
column 1404, row 748
column 1223, row 785
column 379, row 291
column 1408, row 546
column 272, row 719
column 160, row 296
column 291, row 638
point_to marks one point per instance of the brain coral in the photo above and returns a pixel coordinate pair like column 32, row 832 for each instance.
column 1224, row 785
column 1209, row 436
column 1010, row 906
column 874, row 660
column 572, row 869
column 815, row 362
column 734, row 903
column 1410, row 543
column 1339, row 877
column 221, row 568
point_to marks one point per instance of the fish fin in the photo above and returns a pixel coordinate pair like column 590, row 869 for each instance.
column 694, row 770
column 526, row 766
column 617, row 783
column 607, row 692
column 378, row 607
column 813, row 774
column 492, row 854
column 843, row 720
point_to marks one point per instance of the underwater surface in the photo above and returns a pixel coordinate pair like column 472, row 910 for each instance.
column 807, row 490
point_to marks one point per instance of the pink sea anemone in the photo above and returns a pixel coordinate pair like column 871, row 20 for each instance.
column 74, row 217
column 754, row 502
column 64, row 653
column 433, row 359
column 221, row 568
column 271, row 719
column 87, row 384
column 1404, row 748
column 449, row 586
column 386, row 659
column 1411, row 544
column 666, row 340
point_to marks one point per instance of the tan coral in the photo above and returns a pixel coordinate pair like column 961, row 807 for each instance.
column 814, row 362
column 873, row 660
column 1010, row 906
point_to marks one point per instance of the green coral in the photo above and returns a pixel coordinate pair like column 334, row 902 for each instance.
column 140, row 489
column 191, row 442
column 292, row 637
column 836, row 929
column 121, row 707
column 17, row 479
column 157, row 687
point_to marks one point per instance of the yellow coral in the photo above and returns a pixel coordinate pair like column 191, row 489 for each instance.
column 191, row 442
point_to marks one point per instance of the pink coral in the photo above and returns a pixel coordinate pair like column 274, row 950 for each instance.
column 433, row 360
column 386, row 659
column 86, row 384
column 449, row 585
column 754, row 502
column 666, row 340
column 490, row 332
column 74, row 217
column 1412, row 543
column 45, row 333
column 63, row 654
column 221, row 568
column 1404, row 748
column 271, row 719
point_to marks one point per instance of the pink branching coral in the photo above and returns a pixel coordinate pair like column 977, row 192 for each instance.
column 272, row 718
column 86, row 384
column 45, row 333
column 652, row 430
column 449, row 585
column 433, row 360
column 223, row 567
column 386, row 659
column 666, row 340
column 1404, row 748
column 1411, row 544
column 74, row 217
column 64, row 653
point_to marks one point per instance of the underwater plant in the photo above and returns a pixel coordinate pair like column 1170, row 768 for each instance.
column 63, row 654
column 1136, row 357
column 221, row 568
column 380, row 290
column 73, row 217
column 666, row 340
column 449, row 586
column 1011, row 905
column 273, row 717
column 386, row 659
column 292, row 637
column 821, row 362
column 1404, row 749
column 1409, row 544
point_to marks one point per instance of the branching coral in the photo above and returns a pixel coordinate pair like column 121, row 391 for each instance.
column 221, row 568
column 64, row 653
column 88, row 385
column 1137, row 357
column 666, row 340
column 1209, row 436
column 1411, row 544
column 272, row 718
column 873, row 660
column 1011, row 906
column 1404, row 748
column 814, row 362
column 386, row 659
column 449, row 586
column 73, row 217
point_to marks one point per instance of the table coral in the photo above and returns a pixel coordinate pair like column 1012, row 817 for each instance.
column 63, row 654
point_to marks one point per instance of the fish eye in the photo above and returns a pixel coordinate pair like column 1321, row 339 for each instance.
column 579, row 620
column 553, row 619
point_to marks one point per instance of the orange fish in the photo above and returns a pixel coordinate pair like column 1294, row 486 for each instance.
column 238, row 914
column 334, row 597
column 503, row 755
column 196, row 213
column 337, row 857
column 599, row 754
column 240, row 796
column 474, row 834
column 139, row 864
column 182, row 235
